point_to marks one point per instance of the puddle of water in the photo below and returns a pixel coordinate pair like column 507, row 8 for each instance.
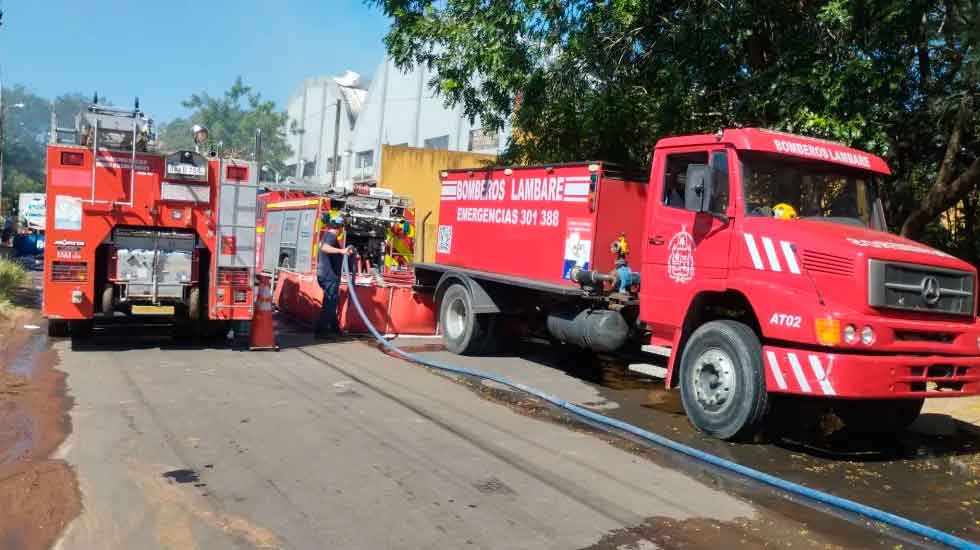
column 664, row 400
column 182, row 476
column 25, row 363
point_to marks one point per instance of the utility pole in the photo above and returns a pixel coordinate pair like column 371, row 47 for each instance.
column 2, row 136
column 2, row 140
column 336, row 143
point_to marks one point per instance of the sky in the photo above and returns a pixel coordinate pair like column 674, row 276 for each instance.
column 164, row 50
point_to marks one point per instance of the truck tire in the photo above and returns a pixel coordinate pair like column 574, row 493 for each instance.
column 194, row 305
column 57, row 328
column 106, row 302
column 878, row 415
column 723, row 385
column 463, row 331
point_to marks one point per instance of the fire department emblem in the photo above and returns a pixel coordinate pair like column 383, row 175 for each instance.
column 680, row 262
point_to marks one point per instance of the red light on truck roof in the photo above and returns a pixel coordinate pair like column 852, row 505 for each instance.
column 236, row 173
column 72, row 159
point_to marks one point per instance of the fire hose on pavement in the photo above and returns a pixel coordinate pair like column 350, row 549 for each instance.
column 828, row 499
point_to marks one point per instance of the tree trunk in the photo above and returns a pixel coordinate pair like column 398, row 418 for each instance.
column 940, row 198
column 946, row 191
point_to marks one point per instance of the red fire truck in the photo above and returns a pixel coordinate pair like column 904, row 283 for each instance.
column 135, row 232
column 756, row 262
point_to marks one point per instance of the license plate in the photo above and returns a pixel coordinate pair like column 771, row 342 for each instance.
column 153, row 310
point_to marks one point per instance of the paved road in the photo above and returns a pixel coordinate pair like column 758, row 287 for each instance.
column 339, row 446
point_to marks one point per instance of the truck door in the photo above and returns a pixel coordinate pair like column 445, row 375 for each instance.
column 682, row 246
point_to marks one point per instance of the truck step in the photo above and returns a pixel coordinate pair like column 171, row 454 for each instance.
column 663, row 351
column 648, row 370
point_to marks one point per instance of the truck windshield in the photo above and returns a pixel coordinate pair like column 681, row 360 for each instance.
column 813, row 190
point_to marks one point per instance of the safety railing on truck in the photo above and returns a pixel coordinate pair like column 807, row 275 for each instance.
column 130, row 129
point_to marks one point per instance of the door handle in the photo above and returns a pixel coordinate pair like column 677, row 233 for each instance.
column 658, row 240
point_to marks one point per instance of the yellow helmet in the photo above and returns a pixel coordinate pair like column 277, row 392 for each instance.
column 783, row 211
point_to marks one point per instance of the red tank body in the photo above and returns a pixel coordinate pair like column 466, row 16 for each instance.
column 537, row 222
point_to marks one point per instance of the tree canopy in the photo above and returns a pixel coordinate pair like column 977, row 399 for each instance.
column 27, row 122
column 606, row 79
column 232, row 120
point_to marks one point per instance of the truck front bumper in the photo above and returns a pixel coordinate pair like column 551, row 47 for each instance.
column 852, row 376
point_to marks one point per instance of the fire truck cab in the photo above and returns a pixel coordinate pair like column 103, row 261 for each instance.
column 134, row 232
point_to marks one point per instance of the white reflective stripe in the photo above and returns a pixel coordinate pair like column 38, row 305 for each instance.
column 576, row 189
column 790, row 257
column 754, row 252
column 264, row 307
column 798, row 372
column 821, row 376
column 578, row 178
column 771, row 253
column 576, row 199
column 774, row 367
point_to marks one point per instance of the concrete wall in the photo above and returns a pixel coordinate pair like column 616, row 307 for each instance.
column 414, row 173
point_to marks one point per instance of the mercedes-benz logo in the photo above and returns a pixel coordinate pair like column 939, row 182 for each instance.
column 931, row 292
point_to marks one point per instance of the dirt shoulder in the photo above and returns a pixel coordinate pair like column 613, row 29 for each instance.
column 39, row 494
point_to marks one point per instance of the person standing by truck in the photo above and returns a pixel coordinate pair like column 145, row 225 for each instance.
column 328, row 268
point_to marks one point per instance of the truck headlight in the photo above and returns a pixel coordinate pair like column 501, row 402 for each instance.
column 867, row 336
column 850, row 334
column 827, row 331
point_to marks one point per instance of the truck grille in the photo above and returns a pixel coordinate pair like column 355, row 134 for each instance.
column 920, row 288
column 233, row 276
column 69, row 272
column 819, row 262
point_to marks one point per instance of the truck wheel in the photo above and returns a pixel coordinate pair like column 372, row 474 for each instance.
column 463, row 331
column 194, row 304
column 878, row 415
column 723, row 386
column 107, row 303
column 57, row 328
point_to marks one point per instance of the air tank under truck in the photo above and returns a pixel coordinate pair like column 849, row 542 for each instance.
column 746, row 263
column 136, row 233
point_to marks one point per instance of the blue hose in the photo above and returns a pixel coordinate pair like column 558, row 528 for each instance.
column 795, row 488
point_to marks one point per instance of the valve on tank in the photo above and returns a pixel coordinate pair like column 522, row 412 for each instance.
column 626, row 278
column 621, row 278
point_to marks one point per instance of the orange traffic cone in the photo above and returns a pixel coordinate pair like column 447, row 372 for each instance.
column 263, row 327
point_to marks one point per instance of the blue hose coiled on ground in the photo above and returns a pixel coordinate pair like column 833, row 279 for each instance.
column 869, row 512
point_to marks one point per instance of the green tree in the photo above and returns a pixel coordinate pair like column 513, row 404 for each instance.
column 232, row 120
column 26, row 121
column 27, row 125
column 606, row 79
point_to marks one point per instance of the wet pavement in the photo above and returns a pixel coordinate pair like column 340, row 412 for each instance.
column 38, row 493
column 183, row 445
column 929, row 473
column 190, row 445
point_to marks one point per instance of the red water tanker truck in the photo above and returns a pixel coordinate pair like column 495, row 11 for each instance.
column 133, row 232
column 756, row 262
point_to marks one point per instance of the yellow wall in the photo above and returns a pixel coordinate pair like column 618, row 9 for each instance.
column 414, row 173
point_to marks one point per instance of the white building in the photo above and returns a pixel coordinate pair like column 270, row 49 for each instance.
column 398, row 108
column 313, row 116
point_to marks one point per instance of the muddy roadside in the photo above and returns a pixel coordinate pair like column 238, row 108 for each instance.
column 39, row 494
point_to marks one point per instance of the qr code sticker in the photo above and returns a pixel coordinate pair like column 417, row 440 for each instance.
column 445, row 243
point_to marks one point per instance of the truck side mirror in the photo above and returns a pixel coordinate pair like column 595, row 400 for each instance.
column 699, row 188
